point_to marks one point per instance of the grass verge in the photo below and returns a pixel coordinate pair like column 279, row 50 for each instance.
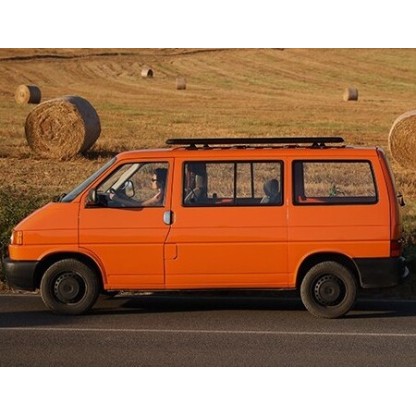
column 13, row 208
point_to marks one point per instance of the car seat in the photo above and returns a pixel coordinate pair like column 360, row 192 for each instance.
column 272, row 192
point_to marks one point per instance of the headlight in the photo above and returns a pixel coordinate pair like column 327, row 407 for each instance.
column 16, row 238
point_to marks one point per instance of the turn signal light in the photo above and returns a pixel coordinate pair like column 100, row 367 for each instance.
column 17, row 238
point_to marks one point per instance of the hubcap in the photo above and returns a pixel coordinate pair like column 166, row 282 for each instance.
column 68, row 288
column 329, row 290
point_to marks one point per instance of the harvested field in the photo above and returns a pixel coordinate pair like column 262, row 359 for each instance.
column 234, row 92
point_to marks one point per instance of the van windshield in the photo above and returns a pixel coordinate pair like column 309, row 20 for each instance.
column 84, row 185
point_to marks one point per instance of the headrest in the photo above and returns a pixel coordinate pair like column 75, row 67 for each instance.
column 271, row 187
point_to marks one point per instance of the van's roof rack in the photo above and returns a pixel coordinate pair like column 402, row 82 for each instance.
column 316, row 141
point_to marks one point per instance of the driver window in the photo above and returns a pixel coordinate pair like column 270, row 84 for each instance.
column 136, row 185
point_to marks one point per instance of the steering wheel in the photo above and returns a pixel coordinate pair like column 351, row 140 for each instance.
column 116, row 197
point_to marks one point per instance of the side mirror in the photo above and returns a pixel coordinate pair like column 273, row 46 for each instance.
column 92, row 198
column 58, row 198
column 95, row 200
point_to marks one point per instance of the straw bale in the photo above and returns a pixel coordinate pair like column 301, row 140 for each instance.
column 63, row 127
column 181, row 83
column 147, row 72
column 27, row 94
column 350, row 94
column 402, row 140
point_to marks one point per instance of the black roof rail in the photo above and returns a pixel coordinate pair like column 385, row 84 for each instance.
column 317, row 141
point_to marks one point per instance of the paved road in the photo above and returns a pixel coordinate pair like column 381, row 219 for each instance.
column 205, row 331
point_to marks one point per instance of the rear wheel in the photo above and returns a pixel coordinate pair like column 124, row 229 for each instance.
column 69, row 287
column 328, row 290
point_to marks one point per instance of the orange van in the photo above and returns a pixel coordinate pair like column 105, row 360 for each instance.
column 284, row 213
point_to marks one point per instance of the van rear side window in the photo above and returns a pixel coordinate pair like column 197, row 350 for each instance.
column 334, row 182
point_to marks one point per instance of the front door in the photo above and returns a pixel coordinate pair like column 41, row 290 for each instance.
column 126, row 232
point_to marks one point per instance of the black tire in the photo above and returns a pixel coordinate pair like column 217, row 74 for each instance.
column 69, row 287
column 328, row 290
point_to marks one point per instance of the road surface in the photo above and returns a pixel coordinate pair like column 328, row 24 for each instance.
column 202, row 330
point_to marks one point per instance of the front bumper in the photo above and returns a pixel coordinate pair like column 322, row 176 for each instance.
column 20, row 274
column 381, row 272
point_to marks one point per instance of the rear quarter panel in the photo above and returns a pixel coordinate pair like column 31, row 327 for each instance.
column 355, row 231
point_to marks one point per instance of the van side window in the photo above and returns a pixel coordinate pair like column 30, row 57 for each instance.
column 233, row 183
column 334, row 182
column 136, row 185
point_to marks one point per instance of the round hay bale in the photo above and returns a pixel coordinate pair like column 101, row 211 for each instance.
column 27, row 94
column 402, row 140
column 147, row 72
column 181, row 83
column 350, row 94
column 63, row 127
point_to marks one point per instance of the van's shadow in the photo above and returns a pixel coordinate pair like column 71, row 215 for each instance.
column 161, row 303
column 168, row 303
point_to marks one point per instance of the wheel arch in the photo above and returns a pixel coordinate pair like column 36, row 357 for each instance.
column 52, row 258
column 316, row 258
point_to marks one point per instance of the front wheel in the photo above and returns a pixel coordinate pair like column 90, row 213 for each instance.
column 328, row 290
column 69, row 287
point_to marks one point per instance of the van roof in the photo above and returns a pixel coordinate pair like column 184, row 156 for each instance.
column 284, row 145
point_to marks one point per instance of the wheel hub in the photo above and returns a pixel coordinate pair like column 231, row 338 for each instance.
column 328, row 290
column 68, row 288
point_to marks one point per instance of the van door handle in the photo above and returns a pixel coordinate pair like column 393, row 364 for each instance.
column 168, row 217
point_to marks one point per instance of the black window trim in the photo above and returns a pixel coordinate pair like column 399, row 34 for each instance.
column 141, row 162
column 335, row 202
column 234, row 162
